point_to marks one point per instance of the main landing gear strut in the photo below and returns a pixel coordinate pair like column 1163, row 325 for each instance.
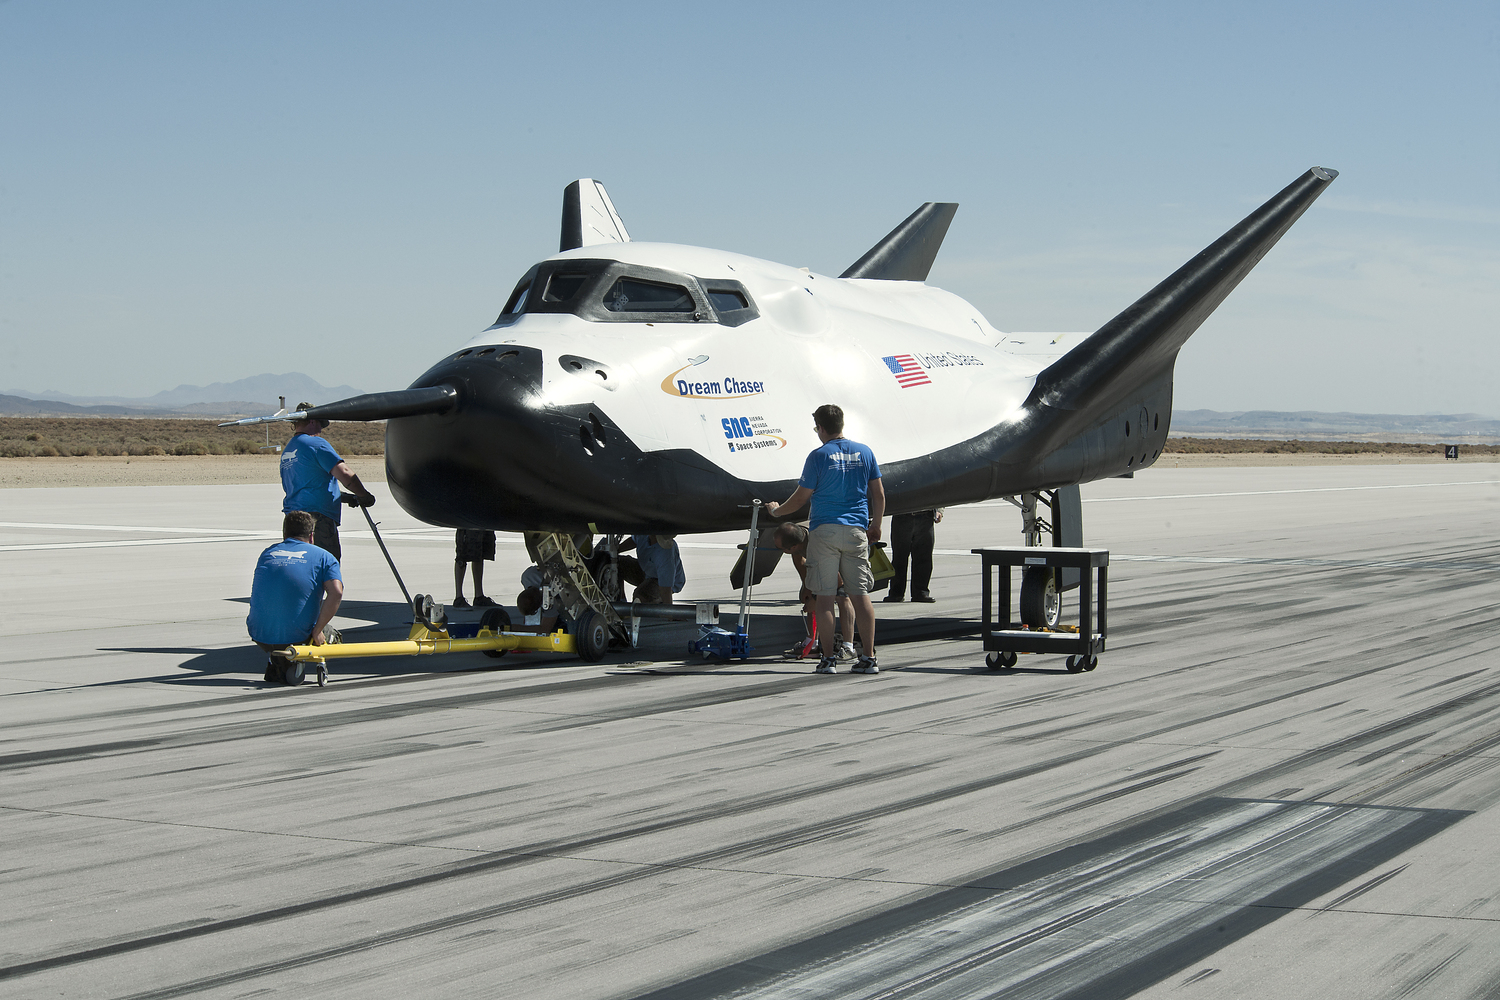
column 1042, row 587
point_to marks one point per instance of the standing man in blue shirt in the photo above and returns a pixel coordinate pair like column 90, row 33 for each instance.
column 295, row 593
column 848, row 502
column 310, row 474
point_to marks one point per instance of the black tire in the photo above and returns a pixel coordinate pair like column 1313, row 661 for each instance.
column 1041, row 602
column 1093, row 662
column 295, row 673
column 496, row 620
column 1077, row 664
column 1000, row 661
column 591, row 634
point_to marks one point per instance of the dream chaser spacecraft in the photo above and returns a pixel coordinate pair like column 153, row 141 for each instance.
column 642, row 387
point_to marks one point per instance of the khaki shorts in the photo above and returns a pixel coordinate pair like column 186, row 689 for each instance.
column 835, row 550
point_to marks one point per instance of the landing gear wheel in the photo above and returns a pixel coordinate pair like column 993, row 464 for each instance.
column 592, row 636
column 295, row 673
column 1000, row 661
column 496, row 620
column 1041, row 602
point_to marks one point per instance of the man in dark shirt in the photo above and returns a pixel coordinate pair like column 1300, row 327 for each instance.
column 913, row 537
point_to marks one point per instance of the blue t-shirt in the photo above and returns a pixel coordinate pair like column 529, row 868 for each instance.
column 287, row 591
column 839, row 475
column 663, row 564
column 307, row 464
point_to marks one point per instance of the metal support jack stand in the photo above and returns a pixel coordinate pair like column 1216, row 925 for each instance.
column 718, row 642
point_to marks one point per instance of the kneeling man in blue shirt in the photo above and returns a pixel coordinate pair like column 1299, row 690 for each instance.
column 296, row 591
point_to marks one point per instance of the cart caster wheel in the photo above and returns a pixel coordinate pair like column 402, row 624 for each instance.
column 1000, row 661
column 295, row 673
column 1076, row 665
column 322, row 675
column 1093, row 662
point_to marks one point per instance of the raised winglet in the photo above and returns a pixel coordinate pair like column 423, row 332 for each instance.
column 1142, row 342
column 908, row 252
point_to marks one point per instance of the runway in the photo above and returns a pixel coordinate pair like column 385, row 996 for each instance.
column 1282, row 779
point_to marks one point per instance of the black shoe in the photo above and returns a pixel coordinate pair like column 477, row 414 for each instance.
column 483, row 602
column 924, row 599
column 893, row 598
column 459, row 602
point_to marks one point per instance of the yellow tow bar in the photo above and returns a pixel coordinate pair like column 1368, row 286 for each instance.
column 424, row 641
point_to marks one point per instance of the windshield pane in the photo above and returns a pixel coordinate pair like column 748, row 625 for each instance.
column 634, row 295
column 727, row 301
column 562, row 287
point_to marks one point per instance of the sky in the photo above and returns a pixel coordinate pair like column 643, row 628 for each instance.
column 195, row 193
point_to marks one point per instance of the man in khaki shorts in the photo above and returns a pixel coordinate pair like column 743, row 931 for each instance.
column 848, row 501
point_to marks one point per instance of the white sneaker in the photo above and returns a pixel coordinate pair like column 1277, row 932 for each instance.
column 846, row 651
column 827, row 665
column 866, row 665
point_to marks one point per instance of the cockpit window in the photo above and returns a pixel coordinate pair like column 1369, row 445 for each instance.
column 518, row 305
column 563, row 285
column 634, row 295
column 727, row 301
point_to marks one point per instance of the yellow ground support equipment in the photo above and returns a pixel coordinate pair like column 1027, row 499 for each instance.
column 430, row 633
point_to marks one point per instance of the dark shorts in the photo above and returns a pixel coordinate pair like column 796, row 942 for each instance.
column 326, row 535
column 472, row 545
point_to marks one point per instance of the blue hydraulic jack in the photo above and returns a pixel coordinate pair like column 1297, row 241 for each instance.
column 718, row 642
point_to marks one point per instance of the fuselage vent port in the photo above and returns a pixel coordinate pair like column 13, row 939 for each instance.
column 508, row 354
column 586, row 436
column 598, row 429
column 1127, row 428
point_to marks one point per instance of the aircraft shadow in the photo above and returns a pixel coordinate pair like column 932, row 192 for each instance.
column 662, row 646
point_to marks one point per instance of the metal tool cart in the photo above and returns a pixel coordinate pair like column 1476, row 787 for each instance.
column 1004, row 637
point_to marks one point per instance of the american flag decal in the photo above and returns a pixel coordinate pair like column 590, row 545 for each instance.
column 906, row 370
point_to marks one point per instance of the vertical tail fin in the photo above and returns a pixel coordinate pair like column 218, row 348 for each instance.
column 589, row 217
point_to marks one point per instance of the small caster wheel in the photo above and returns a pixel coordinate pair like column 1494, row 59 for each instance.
column 1076, row 665
column 295, row 673
column 1093, row 662
column 322, row 675
column 1000, row 661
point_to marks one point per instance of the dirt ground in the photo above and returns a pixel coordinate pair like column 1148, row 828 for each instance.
column 229, row 470
column 161, row 470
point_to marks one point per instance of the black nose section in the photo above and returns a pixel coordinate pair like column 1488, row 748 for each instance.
column 504, row 459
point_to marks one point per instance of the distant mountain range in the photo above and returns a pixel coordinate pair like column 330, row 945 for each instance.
column 247, row 396
column 257, row 395
column 1310, row 425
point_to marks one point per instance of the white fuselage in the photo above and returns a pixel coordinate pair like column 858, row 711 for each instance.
column 915, row 369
